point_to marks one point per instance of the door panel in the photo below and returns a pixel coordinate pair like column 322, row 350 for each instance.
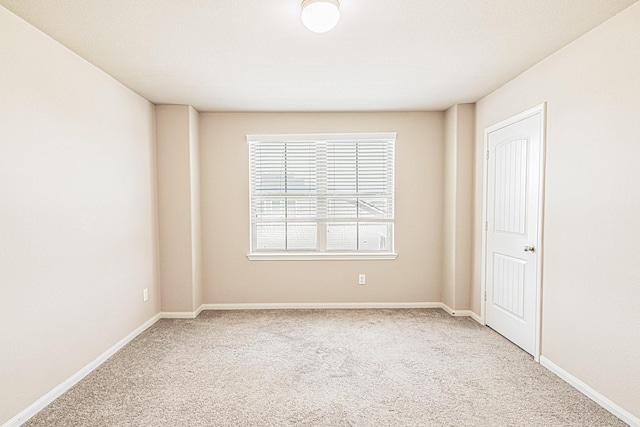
column 510, row 202
column 513, row 177
column 509, row 284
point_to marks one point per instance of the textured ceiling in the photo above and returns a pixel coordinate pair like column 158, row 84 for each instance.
column 255, row 55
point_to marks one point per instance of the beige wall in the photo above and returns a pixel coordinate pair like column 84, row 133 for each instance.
column 464, row 204
column 591, row 281
column 196, row 219
column 77, row 214
column 458, row 206
column 179, row 207
column 229, row 277
column 448, row 293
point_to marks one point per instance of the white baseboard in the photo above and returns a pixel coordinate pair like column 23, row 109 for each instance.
column 181, row 314
column 601, row 400
column 319, row 305
column 460, row 313
column 57, row 391
column 477, row 318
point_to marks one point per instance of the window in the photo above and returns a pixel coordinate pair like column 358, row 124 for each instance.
column 319, row 196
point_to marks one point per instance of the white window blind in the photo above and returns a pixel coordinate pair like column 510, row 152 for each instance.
column 322, row 193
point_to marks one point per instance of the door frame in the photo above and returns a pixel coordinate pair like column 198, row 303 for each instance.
column 541, row 109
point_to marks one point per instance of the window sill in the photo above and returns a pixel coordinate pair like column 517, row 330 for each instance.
column 299, row 256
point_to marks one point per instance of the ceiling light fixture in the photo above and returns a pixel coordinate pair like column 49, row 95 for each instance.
column 320, row 16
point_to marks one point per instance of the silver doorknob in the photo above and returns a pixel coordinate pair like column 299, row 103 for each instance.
column 529, row 249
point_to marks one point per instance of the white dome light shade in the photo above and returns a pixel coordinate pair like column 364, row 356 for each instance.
column 320, row 16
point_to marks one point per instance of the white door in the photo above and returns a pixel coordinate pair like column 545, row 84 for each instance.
column 513, row 200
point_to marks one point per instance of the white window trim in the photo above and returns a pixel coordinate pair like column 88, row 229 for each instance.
column 321, row 137
column 312, row 255
column 320, row 256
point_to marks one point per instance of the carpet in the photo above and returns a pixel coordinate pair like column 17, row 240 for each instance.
column 405, row 367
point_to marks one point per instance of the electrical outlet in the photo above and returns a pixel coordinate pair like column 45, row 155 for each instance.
column 145, row 294
column 361, row 279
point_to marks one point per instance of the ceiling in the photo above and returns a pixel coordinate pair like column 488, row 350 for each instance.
column 255, row 55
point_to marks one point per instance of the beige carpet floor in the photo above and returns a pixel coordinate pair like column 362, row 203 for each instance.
column 417, row 367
